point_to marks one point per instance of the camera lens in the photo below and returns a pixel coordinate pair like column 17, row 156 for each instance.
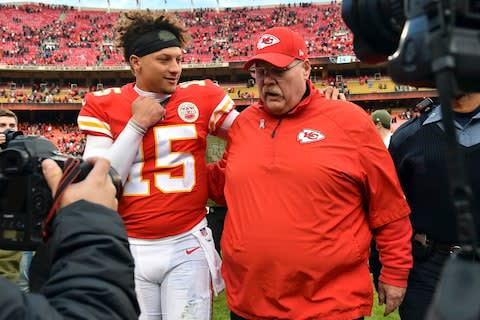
column 376, row 25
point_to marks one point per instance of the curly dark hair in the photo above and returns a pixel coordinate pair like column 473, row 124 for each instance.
column 133, row 23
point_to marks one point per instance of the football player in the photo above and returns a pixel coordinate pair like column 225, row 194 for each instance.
column 154, row 133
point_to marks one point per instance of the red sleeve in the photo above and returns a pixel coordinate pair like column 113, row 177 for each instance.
column 395, row 248
column 216, row 180
column 216, row 172
column 384, row 195
column 92, row 118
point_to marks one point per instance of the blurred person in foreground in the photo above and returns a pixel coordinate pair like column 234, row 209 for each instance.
column 306, row 181
column 91, row 268
column 154, row 132
column 9, row 259
column 419, row 151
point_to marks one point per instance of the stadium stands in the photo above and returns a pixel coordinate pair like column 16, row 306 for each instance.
column 38, row 34
column 52, row 93
column 11, row 92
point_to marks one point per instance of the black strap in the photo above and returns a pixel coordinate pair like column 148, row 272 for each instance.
column 460, row 189
column 71, row 171
column 443, row 67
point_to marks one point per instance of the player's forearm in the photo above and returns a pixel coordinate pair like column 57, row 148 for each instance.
column 120, row 152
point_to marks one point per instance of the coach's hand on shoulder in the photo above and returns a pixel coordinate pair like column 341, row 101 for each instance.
column 147, row 112
column 97, row 187
column 391, row 296
column 332, row 93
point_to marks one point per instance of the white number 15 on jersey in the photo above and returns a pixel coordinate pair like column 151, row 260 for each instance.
column 136, row 185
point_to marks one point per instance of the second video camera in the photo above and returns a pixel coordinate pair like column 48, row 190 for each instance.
column 418, row 38
column 25, row 198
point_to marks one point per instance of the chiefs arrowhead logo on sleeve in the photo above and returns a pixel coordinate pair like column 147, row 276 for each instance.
column 309, row 135
column 267, row 40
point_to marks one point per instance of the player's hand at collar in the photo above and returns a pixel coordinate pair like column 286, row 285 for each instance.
column 97, row 187
column 147, row 111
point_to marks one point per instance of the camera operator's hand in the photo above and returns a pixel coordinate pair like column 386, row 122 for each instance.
column 97, row 187
column 332, row 93
column 147, row 112
column 3, row 138
column 391, row 296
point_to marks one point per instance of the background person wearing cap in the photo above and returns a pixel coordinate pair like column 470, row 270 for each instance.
column 158, row 141
column 301, row 212
column 383, row 121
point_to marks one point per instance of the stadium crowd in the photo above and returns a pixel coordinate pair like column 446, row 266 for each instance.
column 61, row 35
column 66, row 137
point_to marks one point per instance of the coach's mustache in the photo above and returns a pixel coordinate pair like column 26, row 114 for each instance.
column 271, row 91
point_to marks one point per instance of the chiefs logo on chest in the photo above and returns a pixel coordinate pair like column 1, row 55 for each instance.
column 309, row 135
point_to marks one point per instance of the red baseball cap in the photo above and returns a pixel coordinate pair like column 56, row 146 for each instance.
column 278, row 46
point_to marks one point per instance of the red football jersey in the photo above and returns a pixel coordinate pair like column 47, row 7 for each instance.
column 166, row 190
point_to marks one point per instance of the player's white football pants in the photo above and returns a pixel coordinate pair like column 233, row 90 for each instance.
column 172, row 277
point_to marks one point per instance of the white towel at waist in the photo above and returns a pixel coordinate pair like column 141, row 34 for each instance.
column 214, row 261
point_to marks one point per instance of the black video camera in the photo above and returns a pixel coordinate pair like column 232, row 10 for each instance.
column 25, row 198
column 418, row 38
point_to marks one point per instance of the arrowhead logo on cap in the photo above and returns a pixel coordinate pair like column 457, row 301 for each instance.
column 267, row 40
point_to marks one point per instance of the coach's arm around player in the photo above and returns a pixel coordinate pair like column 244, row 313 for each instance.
column 91, row 268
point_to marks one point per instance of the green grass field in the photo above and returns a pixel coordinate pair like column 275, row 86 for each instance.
column 220, row 310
